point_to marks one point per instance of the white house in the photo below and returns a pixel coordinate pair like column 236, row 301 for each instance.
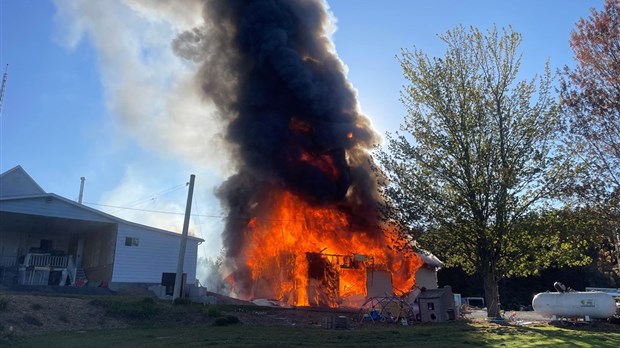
column 426, row 276
column 46, row 239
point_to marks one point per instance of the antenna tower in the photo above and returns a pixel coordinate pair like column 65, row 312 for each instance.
column 4, row 78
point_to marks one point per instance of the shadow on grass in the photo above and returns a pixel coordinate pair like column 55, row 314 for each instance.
column 594, row 335
column 547, row 335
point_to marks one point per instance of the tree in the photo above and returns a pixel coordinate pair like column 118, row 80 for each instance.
column 478, row 153
column 591, row 97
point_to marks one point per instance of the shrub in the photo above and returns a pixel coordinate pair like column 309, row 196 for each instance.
column 148, row 300
column 225, row 321
column 145, row 308
column 32, row 320
column 4, row 303
column 36, row 306
column 182, row 301
column 7, row 336
column 214, row 312
column 63, row 317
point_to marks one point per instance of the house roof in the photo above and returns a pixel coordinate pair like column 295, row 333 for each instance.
column 30, row 193
column 433, row 293
column 106, row 216
column 16, row 182
column 429, row 259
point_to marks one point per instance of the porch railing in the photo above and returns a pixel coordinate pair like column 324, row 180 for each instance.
column 46, row 260
column 8, row 261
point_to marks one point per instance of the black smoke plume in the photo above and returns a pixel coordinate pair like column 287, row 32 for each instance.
column 293, row 120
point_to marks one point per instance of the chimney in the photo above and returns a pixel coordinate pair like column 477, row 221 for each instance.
column 82, row 179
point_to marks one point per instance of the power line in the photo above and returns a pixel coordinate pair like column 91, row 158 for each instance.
column 136, row 209
column 195, row 215
column 166, row 212
column 152, row 197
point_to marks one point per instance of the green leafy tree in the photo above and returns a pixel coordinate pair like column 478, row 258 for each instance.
column 476, row 154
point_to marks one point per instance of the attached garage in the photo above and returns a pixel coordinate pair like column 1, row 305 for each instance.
column 46, row 239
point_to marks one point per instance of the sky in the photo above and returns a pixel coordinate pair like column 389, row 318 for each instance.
column 94, row 90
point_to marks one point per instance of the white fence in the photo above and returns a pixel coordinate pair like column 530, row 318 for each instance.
column 46, row 260
column 8, row 261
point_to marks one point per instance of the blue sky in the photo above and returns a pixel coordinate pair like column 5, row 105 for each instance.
column 95, row 91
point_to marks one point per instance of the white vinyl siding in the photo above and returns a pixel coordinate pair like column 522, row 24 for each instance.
column 155, row 254
column 157, row 251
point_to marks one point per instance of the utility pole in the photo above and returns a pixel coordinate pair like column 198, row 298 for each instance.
column 4, row 78
column 617, row 243
column 178, row 280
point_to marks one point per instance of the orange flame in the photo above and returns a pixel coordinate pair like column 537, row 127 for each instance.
column 291, row 239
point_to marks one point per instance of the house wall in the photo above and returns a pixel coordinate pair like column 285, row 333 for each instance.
column 14, row 244
column 98, row 256
column 426, row 278
column 155, row 254
column 9, row 245
column 33, row 240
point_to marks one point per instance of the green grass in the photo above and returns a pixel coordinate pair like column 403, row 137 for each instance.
column 459, row 334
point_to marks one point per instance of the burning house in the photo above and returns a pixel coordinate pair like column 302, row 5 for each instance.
column 302, row 222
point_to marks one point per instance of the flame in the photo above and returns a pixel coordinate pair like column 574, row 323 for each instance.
column 306, row 255
column 350, row 135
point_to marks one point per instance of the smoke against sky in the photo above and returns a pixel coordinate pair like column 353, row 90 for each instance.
column 151, row 94
column 148, row 89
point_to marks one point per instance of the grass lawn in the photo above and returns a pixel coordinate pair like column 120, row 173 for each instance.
column 459, row 334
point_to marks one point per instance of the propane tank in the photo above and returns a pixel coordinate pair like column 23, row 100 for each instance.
column 575, row 304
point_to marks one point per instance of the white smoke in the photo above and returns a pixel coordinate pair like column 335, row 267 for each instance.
column 148, row 90
column 151, row 97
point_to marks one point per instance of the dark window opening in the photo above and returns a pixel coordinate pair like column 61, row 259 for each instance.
column 131, row 241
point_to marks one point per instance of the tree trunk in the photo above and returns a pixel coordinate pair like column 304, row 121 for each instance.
column 491, row 292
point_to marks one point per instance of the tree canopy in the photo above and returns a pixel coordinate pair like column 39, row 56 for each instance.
column 477, row 154
column 591, row 96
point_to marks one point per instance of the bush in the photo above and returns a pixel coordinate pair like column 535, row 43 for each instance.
column 4, row 303
column 225, row 321
column 36, row 306
column 7, row 336
column 32, row 320
column 182, row 301
column 148, row 301
column 214, row 312
column 145, row 308
column 63, row 317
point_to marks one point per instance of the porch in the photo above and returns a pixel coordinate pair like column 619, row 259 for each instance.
column 41, row 250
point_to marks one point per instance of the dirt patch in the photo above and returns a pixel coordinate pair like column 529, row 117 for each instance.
column 26, row 314
column 35, row 314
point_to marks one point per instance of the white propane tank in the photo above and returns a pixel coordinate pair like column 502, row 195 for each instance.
column 575, row 304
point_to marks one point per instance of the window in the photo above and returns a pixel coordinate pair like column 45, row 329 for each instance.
column 131, row 241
